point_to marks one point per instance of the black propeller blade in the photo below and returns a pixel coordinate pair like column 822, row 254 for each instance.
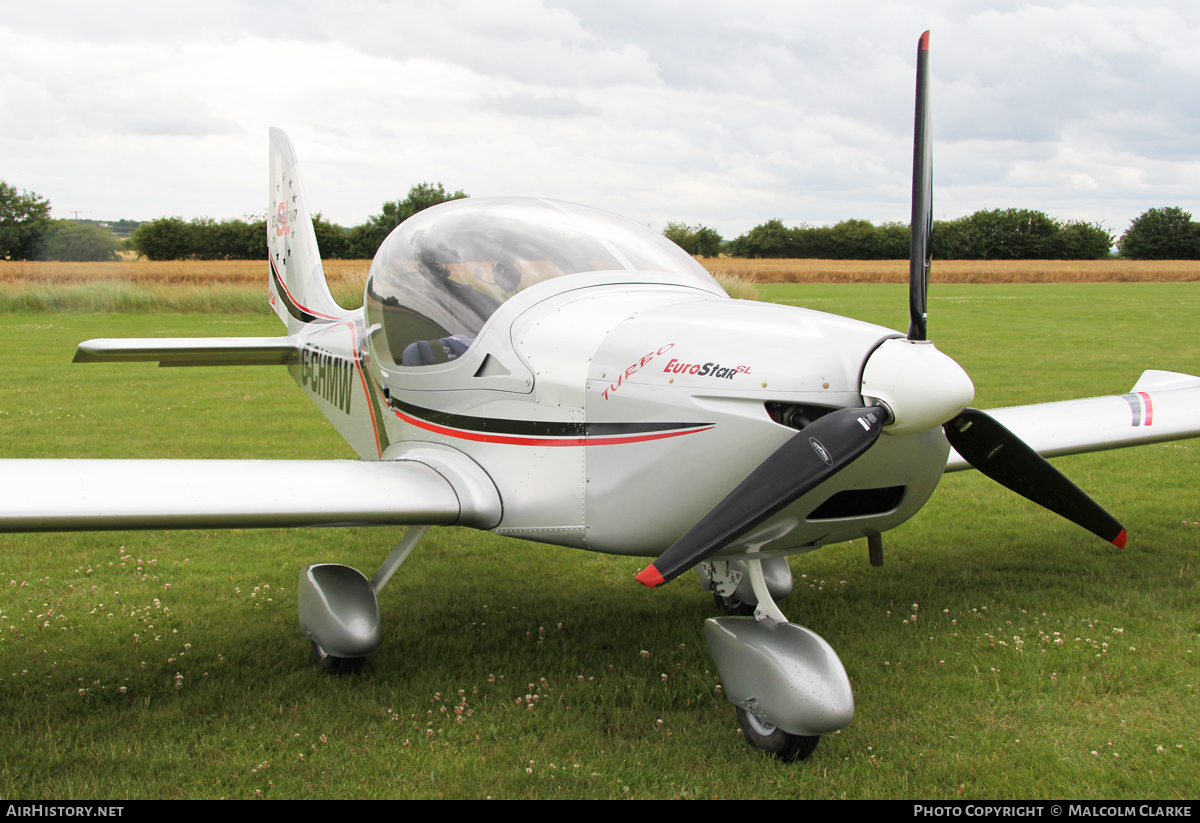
column 1001, row 455
column 921, row 231
column 813, row 455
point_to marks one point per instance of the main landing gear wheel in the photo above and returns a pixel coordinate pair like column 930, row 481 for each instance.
column 733, row 606
column 762, row 735
column 336, row 665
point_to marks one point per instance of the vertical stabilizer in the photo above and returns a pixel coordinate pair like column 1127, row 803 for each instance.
column 298, row 291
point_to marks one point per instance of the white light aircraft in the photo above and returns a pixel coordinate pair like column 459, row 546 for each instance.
column 541, row 369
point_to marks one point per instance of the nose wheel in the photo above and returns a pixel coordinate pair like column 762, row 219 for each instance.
column 336, row 665
column 773, row 740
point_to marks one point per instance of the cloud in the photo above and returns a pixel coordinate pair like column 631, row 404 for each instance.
column 705, row 111
column 529, row 104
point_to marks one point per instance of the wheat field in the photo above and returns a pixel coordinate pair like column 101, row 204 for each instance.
column 253, row 272
column 168, row 272
column 959, row 271
column 238, row 286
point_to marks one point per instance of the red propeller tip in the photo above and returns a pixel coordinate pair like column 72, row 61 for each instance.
column 1118, row 541
column 649, row 576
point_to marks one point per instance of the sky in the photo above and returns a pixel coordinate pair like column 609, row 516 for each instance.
column 719, row 113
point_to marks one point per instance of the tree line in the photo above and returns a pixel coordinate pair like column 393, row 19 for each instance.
column 27, row 232
column 998, row 234
column 170, row 238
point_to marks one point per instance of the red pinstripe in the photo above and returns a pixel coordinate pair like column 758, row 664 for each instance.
column 515, row 440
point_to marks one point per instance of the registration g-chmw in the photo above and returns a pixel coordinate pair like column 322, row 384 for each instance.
column 327, row 375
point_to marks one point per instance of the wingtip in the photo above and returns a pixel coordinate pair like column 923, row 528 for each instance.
column 650, row 577
column 1119, row 540
column 925, row 41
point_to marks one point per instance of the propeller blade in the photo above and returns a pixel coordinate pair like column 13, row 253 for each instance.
column 1001, row 455
column 921, row 229
column 813, row 455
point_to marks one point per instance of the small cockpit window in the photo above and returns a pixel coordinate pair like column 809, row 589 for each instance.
column 442, row 273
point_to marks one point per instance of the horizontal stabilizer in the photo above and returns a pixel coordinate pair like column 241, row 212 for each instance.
column 1161, row 406
column 1154, row 380
column 87, row 495
column 189, row 351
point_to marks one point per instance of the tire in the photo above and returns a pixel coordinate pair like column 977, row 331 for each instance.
column 733, row 606
column 336, row 665
column 775, row 741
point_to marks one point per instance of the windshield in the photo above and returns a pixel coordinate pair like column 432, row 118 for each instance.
column 442, row 273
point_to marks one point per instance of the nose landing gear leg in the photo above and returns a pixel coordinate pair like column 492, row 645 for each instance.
column 787, row 683
column 729, row 583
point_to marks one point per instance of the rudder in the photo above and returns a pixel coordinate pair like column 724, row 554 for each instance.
column 298, row 291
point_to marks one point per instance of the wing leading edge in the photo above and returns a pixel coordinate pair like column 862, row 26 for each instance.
column 1161, row 406
column 86, row 495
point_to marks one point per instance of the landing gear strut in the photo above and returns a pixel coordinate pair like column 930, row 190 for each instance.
column 339, row 608
column 729, row 583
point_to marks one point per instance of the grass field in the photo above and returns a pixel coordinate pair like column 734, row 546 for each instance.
column 169, row 664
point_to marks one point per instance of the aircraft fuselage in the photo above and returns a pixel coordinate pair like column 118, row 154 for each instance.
column 612, row 415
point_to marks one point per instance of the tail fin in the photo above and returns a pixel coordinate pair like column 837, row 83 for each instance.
column 298, row 291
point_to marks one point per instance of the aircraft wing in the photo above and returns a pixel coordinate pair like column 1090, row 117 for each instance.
column 86, row 495
column 189, row 351
column 1161, row 406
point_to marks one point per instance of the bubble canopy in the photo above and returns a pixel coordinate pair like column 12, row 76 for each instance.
column 442, row 273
